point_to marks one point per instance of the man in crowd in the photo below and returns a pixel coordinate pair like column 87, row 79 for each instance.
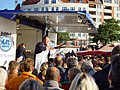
column 114, row 74
column 52, row 79
column 73, row 72
column 59, row 63
column 87, row 67
column 71, row 61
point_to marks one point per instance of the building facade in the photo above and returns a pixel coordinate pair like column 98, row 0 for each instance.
column 99, row 10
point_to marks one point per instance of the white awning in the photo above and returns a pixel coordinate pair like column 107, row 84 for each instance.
column 60, row 21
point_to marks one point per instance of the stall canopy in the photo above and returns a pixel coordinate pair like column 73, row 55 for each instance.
column 57, row 21
column 96, row 52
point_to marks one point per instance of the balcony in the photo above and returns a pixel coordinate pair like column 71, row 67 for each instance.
column 92, row 9
column 107, row 10
column 107, row 17
column 92, row 16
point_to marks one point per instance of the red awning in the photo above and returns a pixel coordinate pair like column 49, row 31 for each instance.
column 108, row 53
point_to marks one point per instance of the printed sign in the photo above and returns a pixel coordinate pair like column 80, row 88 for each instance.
column 5, row 43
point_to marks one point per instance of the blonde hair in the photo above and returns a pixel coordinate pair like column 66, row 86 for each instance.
column 83, row 81
column 44, row 66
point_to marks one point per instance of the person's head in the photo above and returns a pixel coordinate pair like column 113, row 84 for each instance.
column 115, row 70
column 72, row 62
column 116, row 50
column 73, row 72
column 21, row 67
column 3, row 77
column 51, row 62
column 46, row 40
column 87, row 65
column 53, row 74
column 22, row 45
column 58, row 60
column 31, row 84
column 13, row 67
column 28, row 65
column 83, row 81
column 44, row 66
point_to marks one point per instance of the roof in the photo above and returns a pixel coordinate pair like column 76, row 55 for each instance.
column 29, row 2
column 107, row 47
column 63, row 21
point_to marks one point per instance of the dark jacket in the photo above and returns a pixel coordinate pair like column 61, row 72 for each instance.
column 113, row 88
column 101, row 78
column 65, row 80
column 61, row 69
column 20, row 52
column 39, row 47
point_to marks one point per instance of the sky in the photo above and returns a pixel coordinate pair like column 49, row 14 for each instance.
column 8, row 4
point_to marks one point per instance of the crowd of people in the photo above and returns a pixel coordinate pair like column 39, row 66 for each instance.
column 64, row 72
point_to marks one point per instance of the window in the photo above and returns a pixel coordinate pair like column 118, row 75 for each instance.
column 72, row 34
column 80, row 1
column 46, row 1
column 79, row 34
column 42, row 9
column 71, row 42
column 98, row 13
column 52, row 9
column 84, row 9
column 29, row 9
column 108, row 1
column 46, row 9
column 83, row 34
column 98, row 20
column 116, row 1
column 72, row 1
column 35, row 9
column 99, row 6
column 64, row 8
column 53, row 1
column 57, row 8
column 72, row 8
column 79, row 42
column 79, row 8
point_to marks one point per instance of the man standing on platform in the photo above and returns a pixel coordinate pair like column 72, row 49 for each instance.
column 42, row 52
column 42, row 46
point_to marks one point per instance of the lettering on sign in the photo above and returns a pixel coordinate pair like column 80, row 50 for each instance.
column 5, row 43
column 5, row 33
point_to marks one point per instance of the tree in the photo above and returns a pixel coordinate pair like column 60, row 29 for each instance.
column 62, row 36
column 107, row 32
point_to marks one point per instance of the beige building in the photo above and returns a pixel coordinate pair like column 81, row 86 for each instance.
column 99, row 10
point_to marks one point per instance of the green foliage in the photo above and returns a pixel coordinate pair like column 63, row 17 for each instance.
column 108, row 32
column 62, row 36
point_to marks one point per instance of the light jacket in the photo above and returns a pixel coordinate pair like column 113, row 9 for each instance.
column 51, row 85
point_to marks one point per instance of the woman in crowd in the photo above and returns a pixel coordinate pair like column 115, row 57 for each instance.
column 20, row 52
column 43, row 70
column 83, row 81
